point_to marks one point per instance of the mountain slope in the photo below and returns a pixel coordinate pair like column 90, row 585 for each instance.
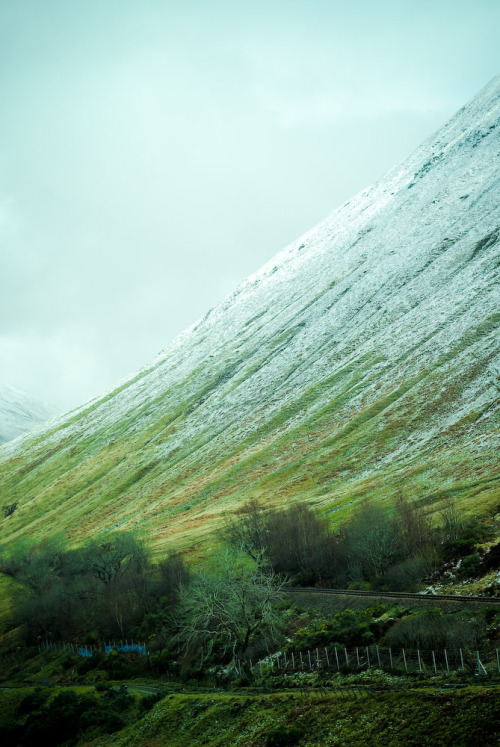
column 19, row 412
column 361, row 361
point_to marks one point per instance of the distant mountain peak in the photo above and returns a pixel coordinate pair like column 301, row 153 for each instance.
column 19, row 412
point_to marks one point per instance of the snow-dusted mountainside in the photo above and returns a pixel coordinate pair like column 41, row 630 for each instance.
column 19, row 412
column 363, row 360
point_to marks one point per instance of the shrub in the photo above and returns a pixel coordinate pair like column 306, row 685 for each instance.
column 405, row 576
column 33, row 701
column 102, row 687
column 433, row 630
column 150, row 700
column 463, row 541
column 68, row 661
column 283, row 737
column 348, row 627
column 469, row 565
column 107, row 720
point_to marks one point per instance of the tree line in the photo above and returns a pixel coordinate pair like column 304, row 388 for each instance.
column 229, row 605
column 392, row 549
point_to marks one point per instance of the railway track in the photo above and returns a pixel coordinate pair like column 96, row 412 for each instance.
column 395, row 594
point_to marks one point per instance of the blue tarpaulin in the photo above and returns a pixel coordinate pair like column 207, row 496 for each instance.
column 84, row 652
column 136, row 647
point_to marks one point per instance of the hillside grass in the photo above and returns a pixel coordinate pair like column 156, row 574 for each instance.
column 389, row 720
column 319, row 447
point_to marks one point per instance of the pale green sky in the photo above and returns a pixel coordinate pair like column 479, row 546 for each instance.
column 153, row 154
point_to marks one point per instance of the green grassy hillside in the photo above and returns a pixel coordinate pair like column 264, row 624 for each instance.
column 363, row 361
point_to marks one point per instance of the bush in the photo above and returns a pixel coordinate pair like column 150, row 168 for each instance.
column 465, row 539
column 68, row 661
column 102, row 687
column 107, row 720
column 433, row 630
column 150, row 700
column 33, row 701
column 160, row 661
column 56, row 723
column 86, row 664
column 283, row 737
column 349, row 628
column 469, row 565
column 405, row 576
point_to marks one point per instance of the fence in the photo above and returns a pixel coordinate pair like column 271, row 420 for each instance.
column 337, row 659
column 360, row 658
column 90, row 649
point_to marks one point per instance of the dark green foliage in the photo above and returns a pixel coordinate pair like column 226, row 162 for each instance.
column 106, row 720
column 491, row 615
column 107, row 589
column 69, row 661
column 348, row 628
column 160, row 662
column 122, row 666
column 433, row 630
column 102, row 687
column 57, row 722
column 88, row 663
column 150, row 700
column 469, row 565
column 283, row 737
column 386, row 549
column 460, row 534
column 491, row 560
column 68, row 716
column 34, row 701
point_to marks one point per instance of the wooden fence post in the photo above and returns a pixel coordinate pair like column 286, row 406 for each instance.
column 434, row 662
column 327, row 659
column 446, row 660
column 461, row 658
column 390, row 657
column 404, row 659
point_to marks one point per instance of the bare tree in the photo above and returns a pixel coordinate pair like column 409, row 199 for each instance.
column 248, row 530
column 369, row 542
column 412, row 527
column 228, row 605
column 453, row 521
column 293, row 539
column 112, row 554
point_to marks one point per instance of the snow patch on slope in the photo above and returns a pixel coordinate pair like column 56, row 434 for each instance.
column 19, row 412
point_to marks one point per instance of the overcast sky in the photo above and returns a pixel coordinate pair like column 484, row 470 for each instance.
column 155, row 153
